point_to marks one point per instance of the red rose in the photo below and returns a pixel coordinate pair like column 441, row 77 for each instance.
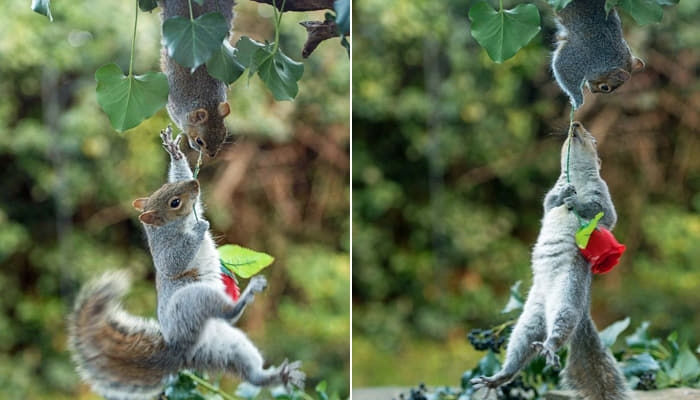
column 231, row 286
column 603, row 251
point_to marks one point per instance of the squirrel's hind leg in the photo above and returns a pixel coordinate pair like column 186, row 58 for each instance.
column 529, row 328
column 221, row 347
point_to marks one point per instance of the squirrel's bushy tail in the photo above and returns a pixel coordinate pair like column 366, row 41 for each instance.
column 591, row 369
column 123, row 357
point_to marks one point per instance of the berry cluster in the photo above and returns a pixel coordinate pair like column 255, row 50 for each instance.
column 415, row 394
column 484, row 339
column 647, row 381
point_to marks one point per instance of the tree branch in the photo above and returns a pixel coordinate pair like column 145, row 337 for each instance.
column 318, row 31
column 300, row 5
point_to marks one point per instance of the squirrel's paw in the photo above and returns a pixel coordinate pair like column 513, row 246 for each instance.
column 568, row 191
column 172, row 146
column 548, row 353
column 491, row 382
column 570, row 202
column 291, row 375
column 257, row 284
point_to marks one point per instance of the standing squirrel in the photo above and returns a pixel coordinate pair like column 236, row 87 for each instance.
column 126, row 357
column 197, row 101
column 590, row 48
column 557, row 307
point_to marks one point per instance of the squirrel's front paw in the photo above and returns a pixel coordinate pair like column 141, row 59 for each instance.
column 570, row 202
column 291, row 375
column 170, row 145
column 548, row 353
column 568, row 191
column 257, row 284
column 491, row 382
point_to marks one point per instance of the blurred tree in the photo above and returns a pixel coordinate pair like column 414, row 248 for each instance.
column 452, row 156
column 65, row 211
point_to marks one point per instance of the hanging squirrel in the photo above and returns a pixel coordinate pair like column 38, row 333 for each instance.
column 557, row 307
column 197, row 101
column 125, row 357
column 591, row 49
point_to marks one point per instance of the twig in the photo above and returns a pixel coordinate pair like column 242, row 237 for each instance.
column 318, row 31
column 301, row 5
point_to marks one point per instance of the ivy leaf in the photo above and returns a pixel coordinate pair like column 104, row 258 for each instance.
column 246, row 49
column 516, row 300
column 42, row 7
column 128, row 100
column 686, row 368
column 643, row 11
column 321, row 390
column 583, row 235
column 609, row 335
column 640, row 338
column 559, row 4
column 192, row 42
column 242, row 261
column 279, row 72
column 502, row 33
column 224, row 64
column 147, row 5
column 342, row 16
column 640, row 363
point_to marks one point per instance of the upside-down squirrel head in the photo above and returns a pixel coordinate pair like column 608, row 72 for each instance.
column 207, row 132
column 170, row 202
column 613, row 79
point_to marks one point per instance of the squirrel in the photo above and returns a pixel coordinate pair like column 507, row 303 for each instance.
column 558, row 305
column 126, row 357
column 197, row 101
column 591, row 49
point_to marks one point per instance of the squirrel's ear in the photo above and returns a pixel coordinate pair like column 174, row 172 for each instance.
column 140, row 203
column 224, row 109
column 198, row 116
column 151, row 218
column 637, row 64
column 620, row 75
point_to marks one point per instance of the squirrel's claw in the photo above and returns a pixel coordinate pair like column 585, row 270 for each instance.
column 548, row 353
column 291, row 375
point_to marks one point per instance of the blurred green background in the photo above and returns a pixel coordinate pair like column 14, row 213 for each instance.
column 452, row 156
column 69, row 179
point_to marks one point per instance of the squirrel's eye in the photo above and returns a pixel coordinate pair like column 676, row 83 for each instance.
column 200, row 141
column 175, row 203
column 605, row 88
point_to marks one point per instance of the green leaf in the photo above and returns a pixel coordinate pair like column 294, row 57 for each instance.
column 247, row 391
column 42, row 7
column 516, row 300
column 147, row 5
column 246, row 49
column 182, row 388
column 686, row 368
column 224, row 64
column 643, row 11
column 610, row 4
column 200, row 2
column 342, row 16
column 640, row 338
column 242, row 261
column 639, row 363
column 321, row 390
column 558, row 4
column 502, row 33
column 584, row 233
column 192, row 42
column 609, row 335
column 128, row 100
column 279, row 72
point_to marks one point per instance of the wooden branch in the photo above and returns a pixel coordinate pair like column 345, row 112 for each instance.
column 318, row 31
column 300, row 5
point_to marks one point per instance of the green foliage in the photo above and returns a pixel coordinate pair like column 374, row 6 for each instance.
column 583, row 235
column 128, row 100
column 243, row 262
column 224, row 64
column 559, row 4
column 192, row 42
column 342, row 16
column 147, row 5
column 503, row 32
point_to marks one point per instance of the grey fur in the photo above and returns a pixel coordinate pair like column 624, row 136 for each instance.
column 590, row 46
column 557, row 306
